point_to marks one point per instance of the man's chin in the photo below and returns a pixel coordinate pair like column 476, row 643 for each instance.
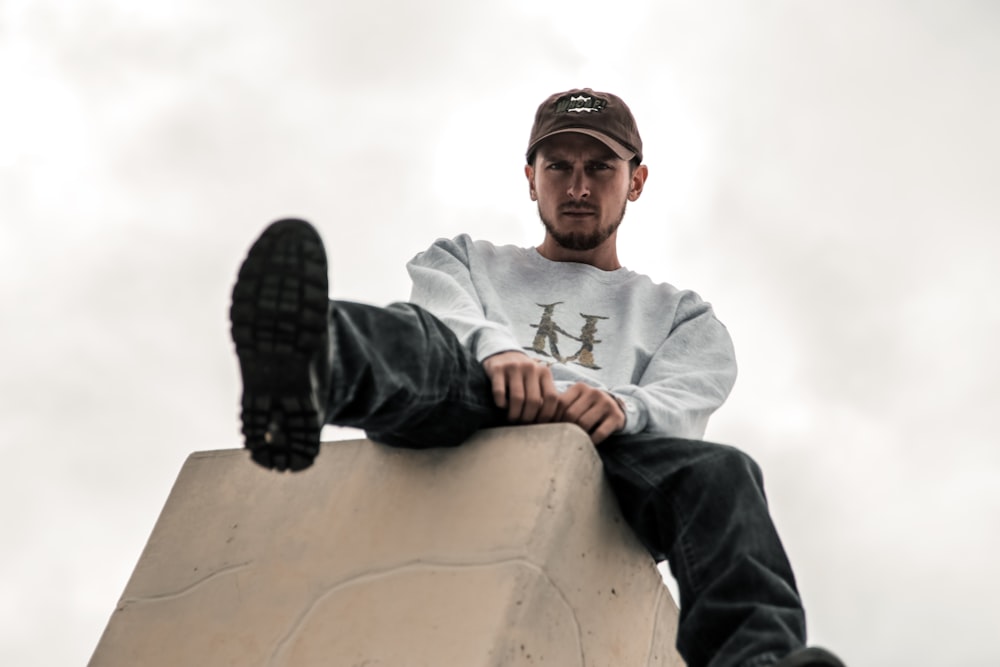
column 578, row 240
column 581, row 242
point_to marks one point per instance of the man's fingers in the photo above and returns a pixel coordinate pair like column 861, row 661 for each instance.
column 522, row 386
column 548, row 397
column 594, row 410
column 540, row 395
column 589, row 419
column 499, row 382
column 550, row 406
column 572, row 404
column 598, row 422
column 515, row 395
column 602, row 432
column 533, row 398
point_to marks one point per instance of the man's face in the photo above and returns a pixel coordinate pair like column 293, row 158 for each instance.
column 581, row 188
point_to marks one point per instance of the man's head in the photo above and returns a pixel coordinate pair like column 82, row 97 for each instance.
column 584, row 165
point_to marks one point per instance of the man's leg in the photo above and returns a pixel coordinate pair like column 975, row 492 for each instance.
column 402, row 375
column 702, row 506
column 397, row 372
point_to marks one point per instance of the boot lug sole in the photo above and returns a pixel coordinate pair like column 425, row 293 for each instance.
column 279, row 326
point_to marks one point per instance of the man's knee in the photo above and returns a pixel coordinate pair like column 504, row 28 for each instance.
column 727, row 468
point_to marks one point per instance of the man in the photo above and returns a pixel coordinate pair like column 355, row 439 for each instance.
column 558, row 333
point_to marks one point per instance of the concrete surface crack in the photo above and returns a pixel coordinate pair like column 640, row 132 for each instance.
column 126, row 602
column 418, row 565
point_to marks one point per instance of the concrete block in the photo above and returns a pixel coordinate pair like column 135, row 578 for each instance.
column 508, row 550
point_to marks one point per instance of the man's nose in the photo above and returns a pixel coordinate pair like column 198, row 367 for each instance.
column 579, row 185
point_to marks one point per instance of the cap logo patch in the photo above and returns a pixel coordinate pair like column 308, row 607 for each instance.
column 580, row 104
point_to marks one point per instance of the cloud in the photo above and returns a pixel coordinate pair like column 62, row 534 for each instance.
column 822, row 173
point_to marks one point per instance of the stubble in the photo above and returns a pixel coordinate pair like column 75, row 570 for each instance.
column 575, row 240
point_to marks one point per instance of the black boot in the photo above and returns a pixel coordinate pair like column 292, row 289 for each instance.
column 279, row 324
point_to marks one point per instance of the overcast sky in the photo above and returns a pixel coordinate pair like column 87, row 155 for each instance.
column 826, row 174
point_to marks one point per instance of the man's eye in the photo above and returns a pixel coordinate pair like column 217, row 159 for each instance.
column 599, row 166
column 558, row 166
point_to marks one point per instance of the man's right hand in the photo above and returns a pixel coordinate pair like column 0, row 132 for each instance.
column 522, row 386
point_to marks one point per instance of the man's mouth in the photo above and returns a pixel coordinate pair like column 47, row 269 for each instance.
column 578, row 212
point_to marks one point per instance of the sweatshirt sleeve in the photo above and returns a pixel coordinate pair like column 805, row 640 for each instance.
column 443, row 284
column 688, row 378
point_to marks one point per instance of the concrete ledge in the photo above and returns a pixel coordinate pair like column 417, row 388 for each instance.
column 508, row 550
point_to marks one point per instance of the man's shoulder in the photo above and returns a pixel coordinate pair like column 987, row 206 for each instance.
column 646, row 283
column 470, row 246
column 660, row 293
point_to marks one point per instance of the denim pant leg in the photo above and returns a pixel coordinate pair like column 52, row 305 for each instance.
column 702, row 506
column 400, row 374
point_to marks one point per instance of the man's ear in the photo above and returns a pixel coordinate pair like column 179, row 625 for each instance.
column 638, row 181
column 529, row 172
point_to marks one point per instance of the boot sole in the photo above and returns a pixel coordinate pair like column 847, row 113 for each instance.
column 279, row 325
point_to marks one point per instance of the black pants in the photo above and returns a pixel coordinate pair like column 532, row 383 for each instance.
column 402, row 376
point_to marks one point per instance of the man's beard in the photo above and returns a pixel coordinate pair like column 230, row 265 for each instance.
column 582, row 240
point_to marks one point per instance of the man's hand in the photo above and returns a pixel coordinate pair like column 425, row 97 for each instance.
column 594, row 410
column 523, row 386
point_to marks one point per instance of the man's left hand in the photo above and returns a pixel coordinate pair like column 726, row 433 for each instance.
column 594, row 410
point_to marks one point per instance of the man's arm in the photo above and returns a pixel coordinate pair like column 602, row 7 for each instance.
column 688, row 378
column 442, row 282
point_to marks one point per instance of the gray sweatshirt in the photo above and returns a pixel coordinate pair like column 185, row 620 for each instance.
column 658, row 349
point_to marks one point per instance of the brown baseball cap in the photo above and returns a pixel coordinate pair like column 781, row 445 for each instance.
column 602, row 116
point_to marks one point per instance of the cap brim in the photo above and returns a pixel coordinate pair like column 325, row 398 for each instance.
column 619, row 148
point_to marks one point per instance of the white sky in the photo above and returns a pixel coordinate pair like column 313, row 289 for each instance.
column 824, row 173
